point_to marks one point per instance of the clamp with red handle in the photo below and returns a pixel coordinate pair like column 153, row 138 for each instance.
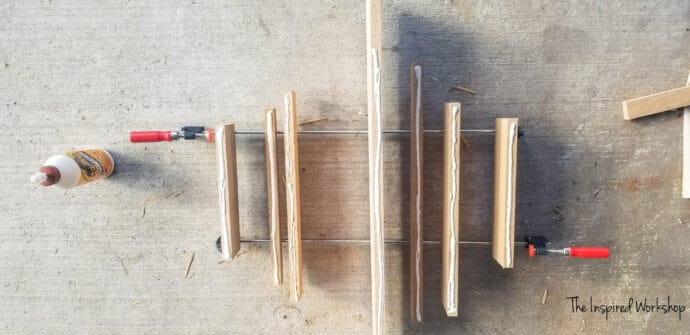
column 539, row 245
column 188, row 133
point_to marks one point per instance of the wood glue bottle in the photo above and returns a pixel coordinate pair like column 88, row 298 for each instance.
column 75, row 168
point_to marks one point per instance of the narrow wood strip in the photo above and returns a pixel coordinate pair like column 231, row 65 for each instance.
column 273, row 196
column 686, row 149
column 656, row 103
column 416, row 192
column 374, row 110
column 227, row 190
column 294, row 219
column 505, row 173
column 451, row 209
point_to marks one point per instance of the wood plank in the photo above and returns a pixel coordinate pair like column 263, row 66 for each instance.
column 416, row 193
column 227, row 191
column 375, row 113
column 686, row 149
column 273, row 196
column 292, row 193
column 451, row 208
column 505, row 174
column 656, row 103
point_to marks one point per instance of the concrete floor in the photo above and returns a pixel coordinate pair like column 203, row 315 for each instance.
column 91, row 260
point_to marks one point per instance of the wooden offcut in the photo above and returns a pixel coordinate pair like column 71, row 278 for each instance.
column 451, row 209
column 656, row 103
column 505, row 173
column 416, row 192
column 227, row 190
column 292, row 193
column 374, row 110
column 273, row 196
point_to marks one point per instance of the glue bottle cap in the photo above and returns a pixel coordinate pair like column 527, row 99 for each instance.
column 46, row 176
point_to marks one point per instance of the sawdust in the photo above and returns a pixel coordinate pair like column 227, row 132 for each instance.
column 464, row 142
column 122, row 263
column 464, row 89
column 306, row 122
column 189, row 265
column 596, row 192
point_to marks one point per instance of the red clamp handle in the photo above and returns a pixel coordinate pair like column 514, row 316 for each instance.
column 150, row 136
column 589, row 252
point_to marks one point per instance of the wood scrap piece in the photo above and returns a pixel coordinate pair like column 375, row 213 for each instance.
column 292, row 193
column 416, row 192
column 375, row 140
column 656, row 103
column 451, row 208
column 505, row 173
column 273, row 196
column 686, row 149
column 227, row 190
column 464, row 89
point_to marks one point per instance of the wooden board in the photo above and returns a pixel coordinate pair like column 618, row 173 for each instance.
column 685, row 191
column 505, row 175
column 85, row 73
column 656, row 103
column 273, row 195
column 450, row 268
column 416, row 193
column 375, row 124
column 292, row 194
column 227, row 191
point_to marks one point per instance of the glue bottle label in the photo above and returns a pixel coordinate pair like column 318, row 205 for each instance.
column 94, row 164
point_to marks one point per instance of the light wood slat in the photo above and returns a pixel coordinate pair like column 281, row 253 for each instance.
column 227, row 190
column 686, row 149
column 505, row 173
column 375, row 113
column 292, row 193
column 451, row 209
column 273, row 196
column 656, row 103
column 416, row 192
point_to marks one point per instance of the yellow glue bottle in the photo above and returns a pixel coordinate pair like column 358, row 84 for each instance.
column 75, row 168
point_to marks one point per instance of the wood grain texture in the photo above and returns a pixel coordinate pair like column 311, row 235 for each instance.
column 505, row 178
column 227, row 191
column 416, row 192
column 292, row 194
column 450, row 267
column 273, row 195
column 376, row 176
column 656, row 103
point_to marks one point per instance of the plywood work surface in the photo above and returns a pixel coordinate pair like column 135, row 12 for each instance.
column 111, row 257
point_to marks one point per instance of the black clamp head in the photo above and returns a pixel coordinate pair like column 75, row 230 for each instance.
column 189, row 133
column 536, row 245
